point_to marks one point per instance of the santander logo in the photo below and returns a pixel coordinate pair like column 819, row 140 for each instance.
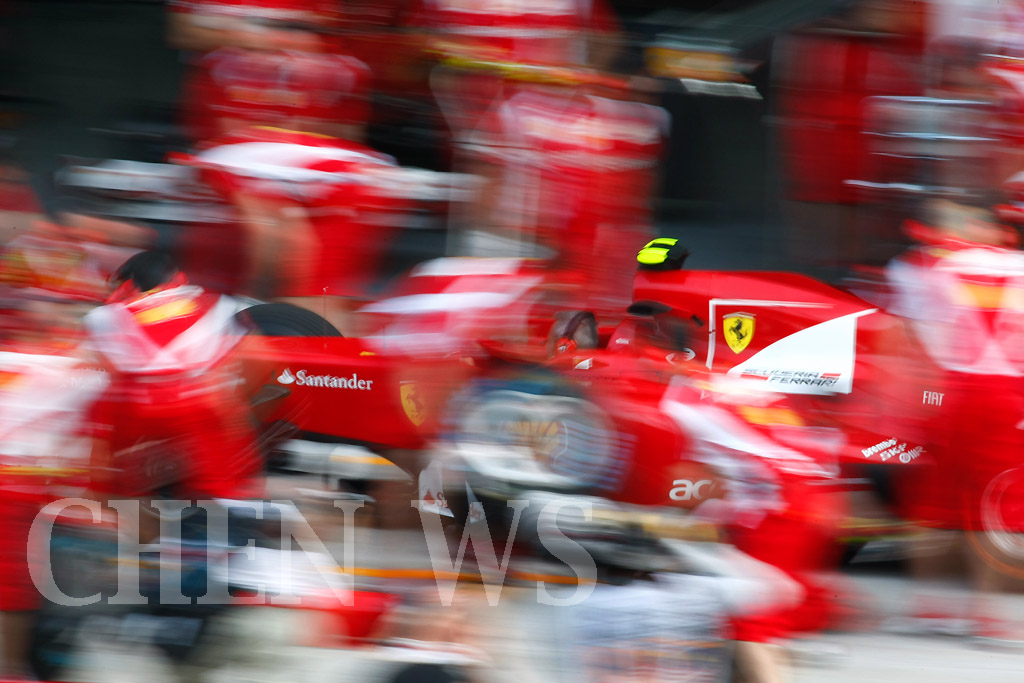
column 305, row 379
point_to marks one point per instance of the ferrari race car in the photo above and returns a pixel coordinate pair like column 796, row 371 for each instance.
column 708, row 375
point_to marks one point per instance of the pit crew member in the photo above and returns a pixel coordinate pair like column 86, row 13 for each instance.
column 168, row 347
column 318, row 213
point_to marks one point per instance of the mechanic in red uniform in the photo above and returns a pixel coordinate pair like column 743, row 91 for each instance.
column 45, row 391
column 319, row 212
column 962, row 292
column 168, row 347
column 801, row 540
column 570, row 171
column 778, row 507
column 301, row 89
column 41, row 409
column 300, row 81
column 267, row 62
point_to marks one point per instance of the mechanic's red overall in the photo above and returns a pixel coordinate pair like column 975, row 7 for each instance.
column 578, row 173
column 168, row 351
column 783, row 512
column 965, row 303
column 40, row 412
column 44, row 393
column 232, row 88
column 346, row 192
column 22, row 496
column 799, row 539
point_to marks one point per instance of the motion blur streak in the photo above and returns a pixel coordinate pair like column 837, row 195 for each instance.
column 494, row 340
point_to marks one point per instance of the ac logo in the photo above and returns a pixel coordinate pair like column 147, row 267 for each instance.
column 685, row 489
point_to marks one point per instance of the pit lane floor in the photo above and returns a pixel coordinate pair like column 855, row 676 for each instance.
column 266, row 645
column 877, row 657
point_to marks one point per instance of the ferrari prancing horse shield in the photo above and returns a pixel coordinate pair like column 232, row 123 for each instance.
column 412, row 402
column 739, row 330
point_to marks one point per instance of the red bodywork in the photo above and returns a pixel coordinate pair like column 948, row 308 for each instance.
column 851, row 378
column 345, row 390
column 858, row 369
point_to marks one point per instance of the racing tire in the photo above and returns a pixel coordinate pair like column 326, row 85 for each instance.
column 570, row 437
column 286, row 320
column 429, row 673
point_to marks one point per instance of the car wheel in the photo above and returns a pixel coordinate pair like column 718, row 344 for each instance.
column 286, row 320
column 569, row 437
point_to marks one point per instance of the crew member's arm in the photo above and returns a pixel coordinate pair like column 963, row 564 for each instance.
column 746, row 585
column 282, row 240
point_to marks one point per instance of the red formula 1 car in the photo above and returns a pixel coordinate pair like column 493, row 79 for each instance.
column 486, row 350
